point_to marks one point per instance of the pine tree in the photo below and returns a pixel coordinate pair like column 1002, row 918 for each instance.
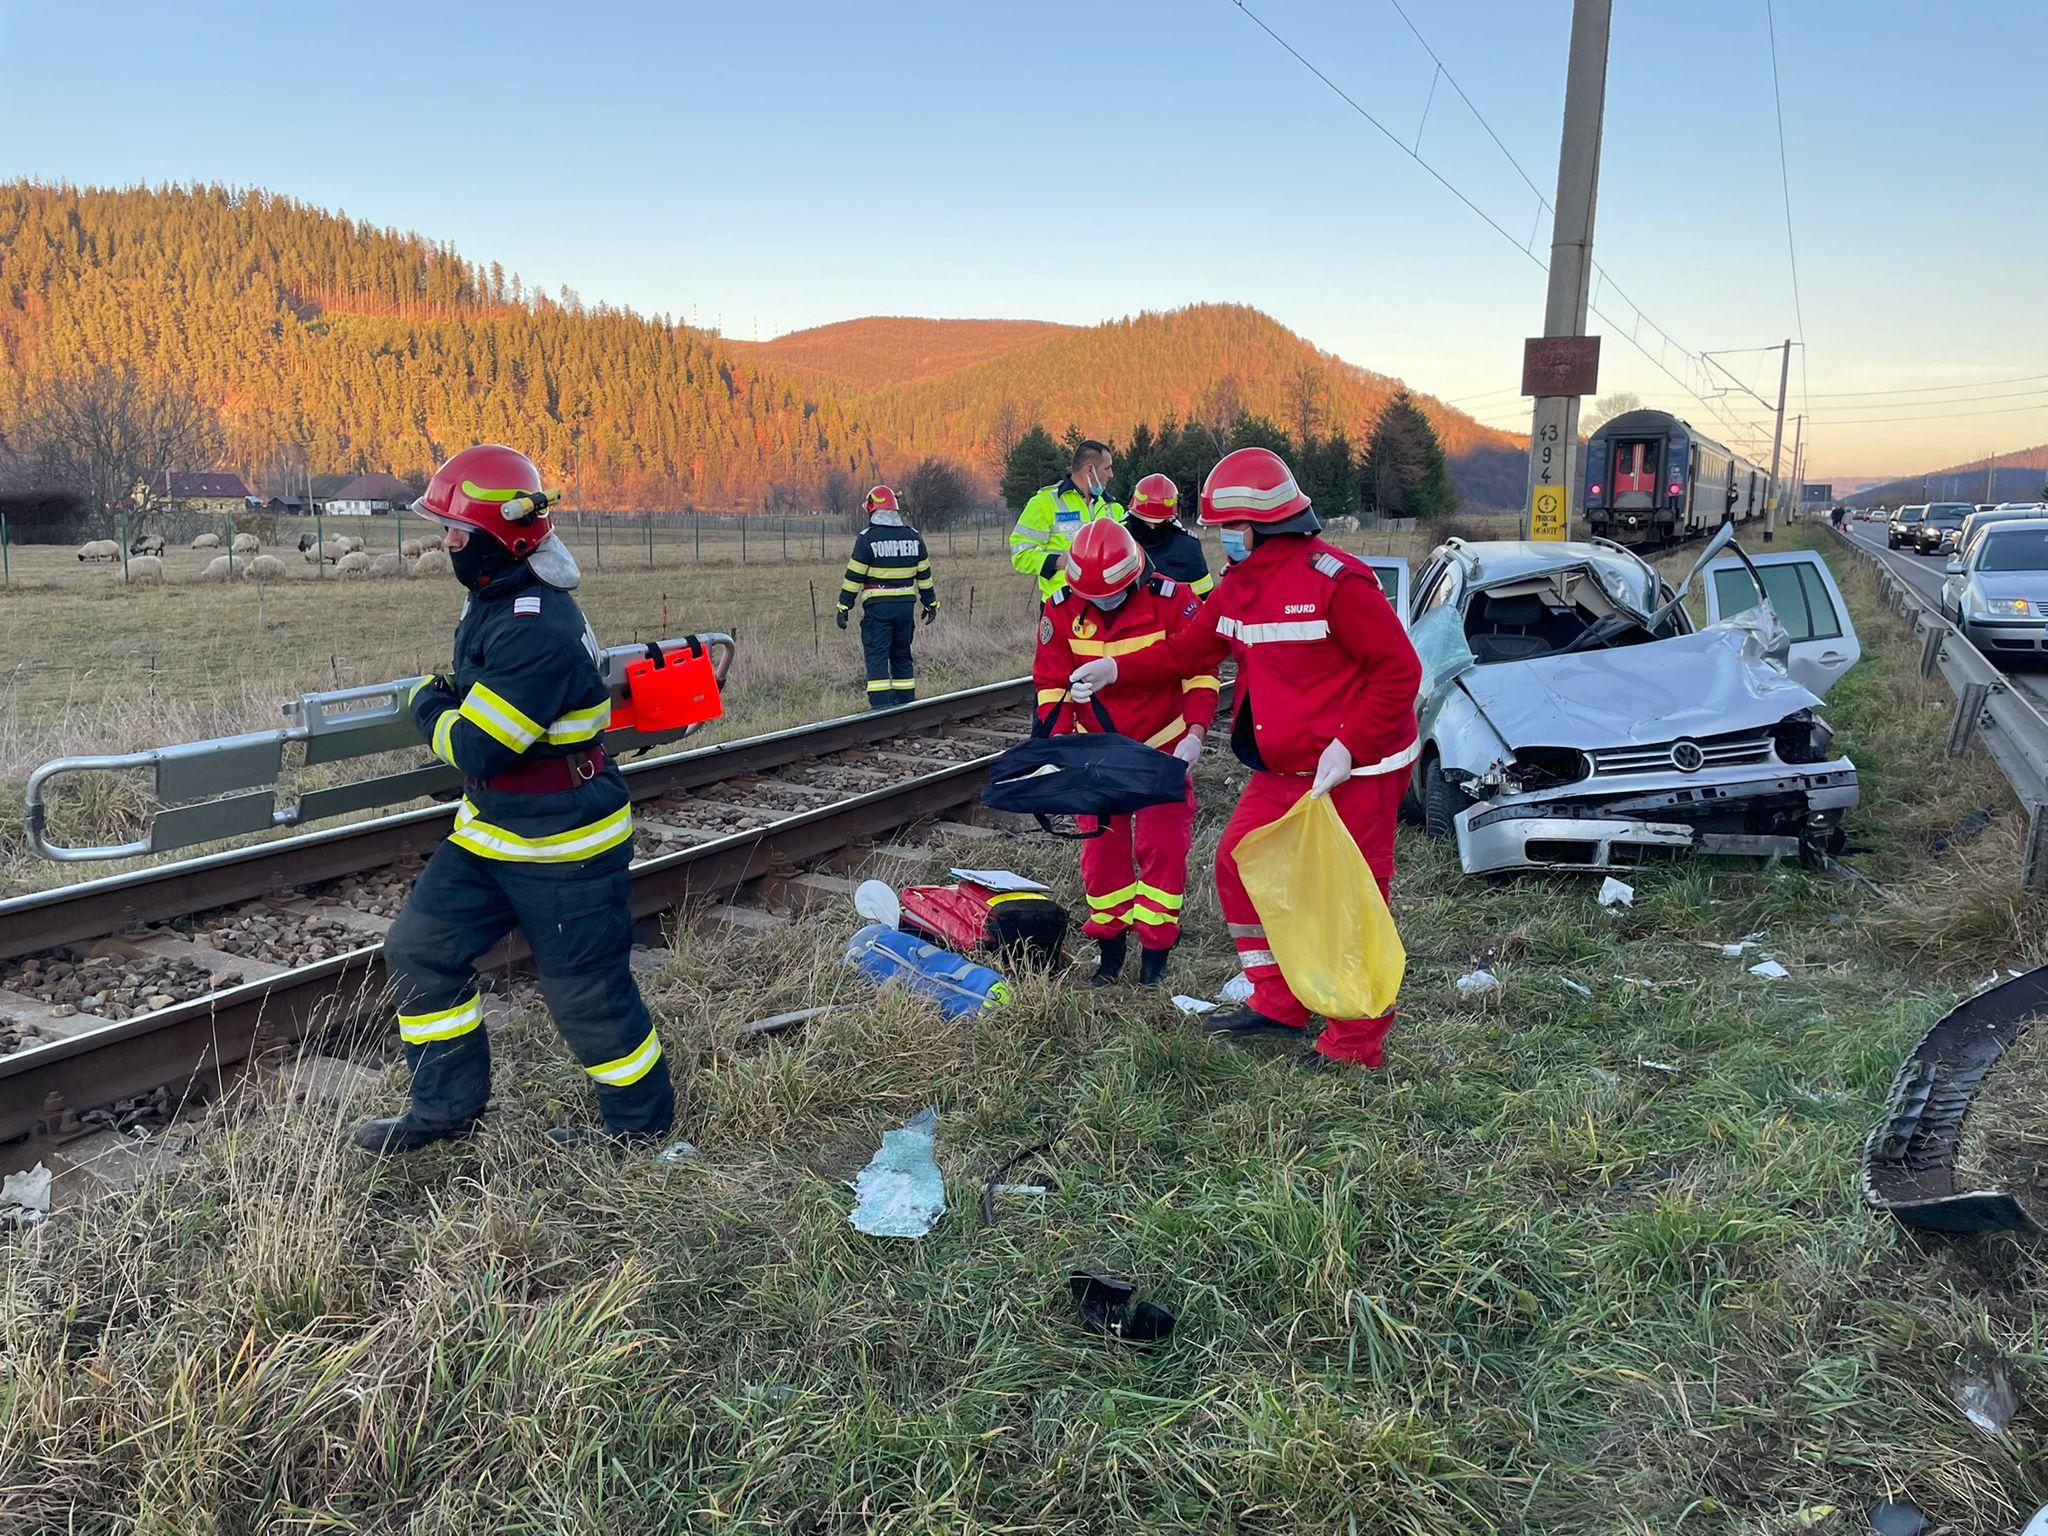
column 1329, row 473
column 1405, row 472
column 1036, row 462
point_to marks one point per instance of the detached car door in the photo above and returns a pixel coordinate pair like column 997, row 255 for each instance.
column 1802, row 590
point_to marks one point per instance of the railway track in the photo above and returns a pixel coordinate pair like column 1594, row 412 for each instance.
column 170, row 978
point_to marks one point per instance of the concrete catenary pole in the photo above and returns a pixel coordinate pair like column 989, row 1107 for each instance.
column 1777, row 442
column 1798, row 469
column 1555, row 422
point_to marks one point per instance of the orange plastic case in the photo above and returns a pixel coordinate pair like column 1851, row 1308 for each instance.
column 668, row 690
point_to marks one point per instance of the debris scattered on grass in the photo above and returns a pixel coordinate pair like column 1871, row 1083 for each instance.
column 1236, row 990
column 1962, row 831
column 1478, row 983
column 1670, row 1068
column 1812, row 1515
column 1188, row 1004
column 1637, row 981
column 993, row 1185
column 677, row 1152
column 1109, row 1304
column 1616, row 893
column 25, row 1197
column 777, row 1022
column 1770, row 970
column 901, row 1192
column 1897, row 1517
column 1576, row 986
column 1981, row 1385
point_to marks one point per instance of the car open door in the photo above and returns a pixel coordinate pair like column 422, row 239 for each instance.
column 1392, row 571
column 1808, row 603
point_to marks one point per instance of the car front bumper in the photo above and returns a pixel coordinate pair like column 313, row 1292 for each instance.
column 2004, row 635
column 1615, row 822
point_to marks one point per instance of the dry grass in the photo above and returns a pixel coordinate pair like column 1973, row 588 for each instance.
column 1517, row 1283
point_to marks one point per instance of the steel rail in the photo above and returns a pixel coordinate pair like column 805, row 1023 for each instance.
column 93, row 909
column 42, row 1086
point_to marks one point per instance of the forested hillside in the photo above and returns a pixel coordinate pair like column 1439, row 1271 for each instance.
column 321, row 340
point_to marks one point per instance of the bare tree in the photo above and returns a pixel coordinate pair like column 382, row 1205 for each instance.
column 1305, row 392
column 1222, row 405
column 936, row 492
column 1606, row 408
column 1005, row 429
column 113, row 432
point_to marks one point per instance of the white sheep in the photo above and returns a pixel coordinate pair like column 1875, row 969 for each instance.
column 434, row 562
column 100, row 549
column 331, row 551
column 145, row 571
column 246, row 544
column 223, row 568
column 412, row 549
column 354, row 563
column 266, row 568
column 431, row 541
column 207, row 541
column 388, row 564
column 351, row 545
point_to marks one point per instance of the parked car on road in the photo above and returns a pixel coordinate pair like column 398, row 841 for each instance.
column 1997, row 589
column 1976, row 522
column 1572, row 717
column 1937, row 529
column 1903, row 526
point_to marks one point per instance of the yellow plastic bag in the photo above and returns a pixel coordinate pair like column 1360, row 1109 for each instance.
column 1328, row 928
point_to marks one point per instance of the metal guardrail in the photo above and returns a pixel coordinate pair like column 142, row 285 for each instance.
column 1988, row 708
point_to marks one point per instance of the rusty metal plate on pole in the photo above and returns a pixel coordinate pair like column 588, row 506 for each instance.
column 1561, row 365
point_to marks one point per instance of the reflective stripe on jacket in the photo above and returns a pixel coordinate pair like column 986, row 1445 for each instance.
column 1072, row 630
column 527, row 686
column 888, row 560
column 1047, row 526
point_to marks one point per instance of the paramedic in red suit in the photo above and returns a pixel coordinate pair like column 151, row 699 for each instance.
column 1136, row 872
column 1326, row 686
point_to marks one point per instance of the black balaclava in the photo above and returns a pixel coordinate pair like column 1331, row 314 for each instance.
column 481, row 561
column 1150, row 535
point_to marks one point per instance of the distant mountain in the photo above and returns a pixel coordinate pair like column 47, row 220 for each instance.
column 2016, row 476
column 898, row 349
column 321, row 339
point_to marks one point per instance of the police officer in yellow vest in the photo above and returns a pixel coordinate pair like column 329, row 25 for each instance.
column 1046, row 527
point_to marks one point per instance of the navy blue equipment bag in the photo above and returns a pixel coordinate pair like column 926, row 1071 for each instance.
column 1096, row 773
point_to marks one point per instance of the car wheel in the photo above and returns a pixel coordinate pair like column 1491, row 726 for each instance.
column 1441, row 803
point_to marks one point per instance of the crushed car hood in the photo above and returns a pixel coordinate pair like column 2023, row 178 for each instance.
column 1702, row 684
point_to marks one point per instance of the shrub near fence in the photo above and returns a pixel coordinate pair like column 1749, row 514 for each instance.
column 600, row 540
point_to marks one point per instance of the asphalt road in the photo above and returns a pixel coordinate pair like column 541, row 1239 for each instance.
column 1924, row 574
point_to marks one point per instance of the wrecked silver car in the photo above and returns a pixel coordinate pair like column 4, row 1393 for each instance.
column 1572, row 716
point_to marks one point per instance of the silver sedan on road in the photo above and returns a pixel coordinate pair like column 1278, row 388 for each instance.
column 1997, row 590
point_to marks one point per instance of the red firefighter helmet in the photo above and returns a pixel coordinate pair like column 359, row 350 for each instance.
column 1254, row 485
column 491, row 489
column 880, row 499
column 1155, row 499
column 1104, row 559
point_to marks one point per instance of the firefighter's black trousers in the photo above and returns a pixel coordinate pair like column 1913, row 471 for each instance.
column 885, row 626
column 576, row 920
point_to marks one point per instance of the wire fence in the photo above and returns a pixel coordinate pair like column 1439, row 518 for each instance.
column 188, row 542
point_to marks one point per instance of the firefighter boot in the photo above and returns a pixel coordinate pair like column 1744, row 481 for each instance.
column 1244, row 1021
column 395, row 1135
column 1112, row 962
column 1152, row 966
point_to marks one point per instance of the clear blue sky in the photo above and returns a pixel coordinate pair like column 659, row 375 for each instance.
column 766, row 166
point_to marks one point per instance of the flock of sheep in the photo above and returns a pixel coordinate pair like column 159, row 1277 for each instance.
column 245, row 559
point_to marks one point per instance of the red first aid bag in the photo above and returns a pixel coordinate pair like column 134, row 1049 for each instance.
column 969, row 918
column 667, row 690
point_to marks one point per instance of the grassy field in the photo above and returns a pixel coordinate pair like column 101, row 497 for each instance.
column 1521, row 1281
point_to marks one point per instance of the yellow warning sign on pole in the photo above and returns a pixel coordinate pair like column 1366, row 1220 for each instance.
column 1546, row 512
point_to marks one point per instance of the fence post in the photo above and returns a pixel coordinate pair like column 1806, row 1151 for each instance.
column 743, row 538
column 785, row 540
column 697, row 537
column 229, row 545
column 319, row 545
column 597, row 526
column 821, row 538
column 1969, row 710
column 4, row 574
column 650, row 540
column 124, row 545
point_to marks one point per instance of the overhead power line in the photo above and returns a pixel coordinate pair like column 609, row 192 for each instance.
column 1785, row 183
column 1606, row 279
column 1922, row 389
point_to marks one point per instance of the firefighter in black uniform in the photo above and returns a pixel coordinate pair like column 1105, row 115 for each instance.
column 889, row 566
column 1154, row 520
column 542, row 838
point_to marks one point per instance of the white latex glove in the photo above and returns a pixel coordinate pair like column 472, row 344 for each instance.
column 1091, row 675
column 1190, row 747
column 1332, row 769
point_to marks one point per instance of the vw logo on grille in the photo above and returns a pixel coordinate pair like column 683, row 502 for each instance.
column 1686, row 757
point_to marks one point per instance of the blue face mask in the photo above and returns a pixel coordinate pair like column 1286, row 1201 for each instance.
column 1236, row 545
